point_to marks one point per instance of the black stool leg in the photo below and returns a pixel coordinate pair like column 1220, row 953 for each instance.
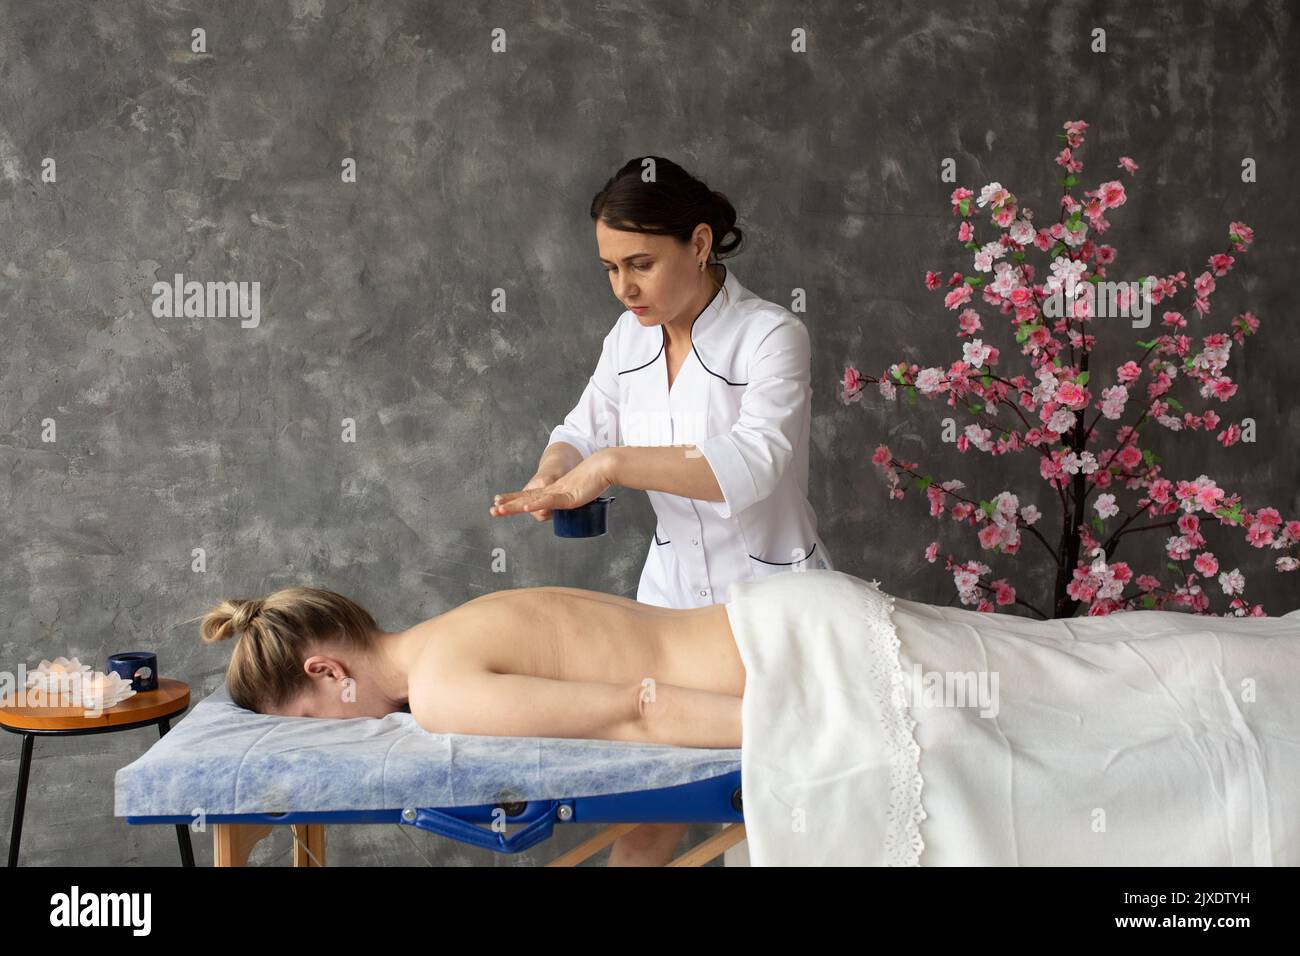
column 182, row 830
column 20, row 798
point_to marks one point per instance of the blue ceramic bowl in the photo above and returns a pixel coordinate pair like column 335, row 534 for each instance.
column 139, row 667
column 588, row 521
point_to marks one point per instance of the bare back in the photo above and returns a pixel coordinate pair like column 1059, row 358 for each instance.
column 573, row 634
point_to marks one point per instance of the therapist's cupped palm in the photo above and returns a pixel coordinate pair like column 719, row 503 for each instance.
column 584, row 483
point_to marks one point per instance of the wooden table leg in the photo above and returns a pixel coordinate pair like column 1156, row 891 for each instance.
column 308, row 844
column 232, row 842
column 714, row 846
column 593, row 845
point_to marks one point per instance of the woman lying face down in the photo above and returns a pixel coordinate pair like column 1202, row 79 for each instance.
column 527, row 662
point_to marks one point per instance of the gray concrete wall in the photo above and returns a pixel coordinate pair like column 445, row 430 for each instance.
column 475, row 171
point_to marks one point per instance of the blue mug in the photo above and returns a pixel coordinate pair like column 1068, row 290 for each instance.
column 139, row 667
column 586, row 521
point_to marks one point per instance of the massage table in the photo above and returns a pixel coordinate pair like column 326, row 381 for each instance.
column 1139, row 738
column 244, row 772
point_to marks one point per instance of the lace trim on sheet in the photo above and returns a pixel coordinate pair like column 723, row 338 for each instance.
column 903, row 842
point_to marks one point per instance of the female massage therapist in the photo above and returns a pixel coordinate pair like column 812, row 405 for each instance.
column 702, row 398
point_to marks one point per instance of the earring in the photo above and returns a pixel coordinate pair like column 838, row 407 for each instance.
column 701, row 266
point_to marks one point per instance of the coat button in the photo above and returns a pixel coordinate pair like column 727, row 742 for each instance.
column 704, row 593
column 695, row 541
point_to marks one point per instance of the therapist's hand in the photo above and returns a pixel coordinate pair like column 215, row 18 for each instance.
column 539, row 480
column 584, row 483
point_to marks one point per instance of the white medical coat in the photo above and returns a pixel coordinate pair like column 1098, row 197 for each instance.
column 743, row 396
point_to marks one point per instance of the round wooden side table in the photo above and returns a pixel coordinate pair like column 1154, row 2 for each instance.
column 139, row 710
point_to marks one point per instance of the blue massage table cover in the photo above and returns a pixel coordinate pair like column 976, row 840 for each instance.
column 221, row 758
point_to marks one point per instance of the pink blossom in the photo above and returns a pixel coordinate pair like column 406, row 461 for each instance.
column 1111, row 194
column 1220, row 263
column 1206, row 564
column 958, row 296
column 1258, row 536
column 1113, row 401
column 975, row 352
column 1203, row 493
column 993, row 193
column 1127, row 163
column 979, row 436
column 1106, row 507
column 1128, row 373
column 929, row 380
column 1072, row 394
column 1129, row 457
column 1269, row 518
column 935, row 495
column 1242, row 235
column 1006, row 594
column 852, row 383
column 1223, row 389
column 1232, row 581
column 1177, row 547
column 932, row 551
column 881, row 456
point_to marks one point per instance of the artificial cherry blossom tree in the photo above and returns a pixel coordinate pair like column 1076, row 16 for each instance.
column 1076, row 428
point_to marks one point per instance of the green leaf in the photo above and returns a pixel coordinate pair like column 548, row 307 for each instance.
column 1173, row 567
column 974, row 280
column 1233, row 513
column 1082, row 379
column 1018, row 256
column 1147, row 345
column 1174, row 403
column 925, row 482
column 911, row 395
column 1148, row 600
column 1071, row 181
column 964, row 206
column 1096, row 523
column 976, row 408
column 987, row 380
column 896, row 373
column 987, row 508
